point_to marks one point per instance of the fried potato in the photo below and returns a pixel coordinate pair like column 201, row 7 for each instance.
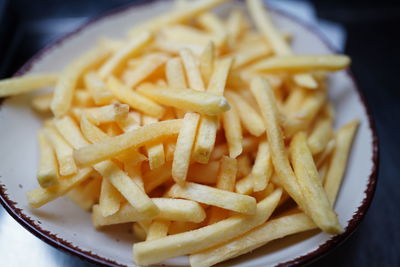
column 20, row 85
column 47, row 174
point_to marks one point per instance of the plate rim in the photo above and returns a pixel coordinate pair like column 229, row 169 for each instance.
column 323, row 249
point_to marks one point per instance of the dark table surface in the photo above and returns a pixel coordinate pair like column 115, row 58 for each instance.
column 373, row 42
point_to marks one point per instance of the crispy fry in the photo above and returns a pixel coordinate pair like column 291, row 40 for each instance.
column 158, row 229
column 47, row 174
column 67, row 127
column 216, row 197
column 155, row 151
column 97, row 89
column 320, row 136
column 149, row 252
column 86, row 194
column 193, row 73
column 110, row 199
column 175, row 74
column 233, row 132
column 41, row 103
column 207, row 62
column 337, row 166
column 262, row 168
column 20, row 85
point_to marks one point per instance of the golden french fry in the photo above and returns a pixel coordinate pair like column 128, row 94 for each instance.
column 97, row 89
column 106, row 114
column 305, row 80
column 24, row 84
column 47, row 174
column 207, row 62
column 40, row 196
column 133, row 99
column 86, row 194
column 245, row 185
column 111, row 147
column 186, row 34
column 267, row 104
column 131, row 122
column 130, row 49
column 294, row 101
column 169, row 209
column 216, row 197
column 63, row 151
column 324, row 155
column 233, row 132
column 253, row 53
column 235, row 26
column 65, row 87
column 273, row 229
column 337, row 167
column 149, row 65
column 320, row 136
column 67, row 127
column 155, row 151
column 300, row 63
column 175, row 74
column 187, row 99
column 183, row 149
column 248, row 115
column 110, row 199
column 262, row 168
column 311, row 187
column 192, row 70
column 158, row 229
column 149, row 252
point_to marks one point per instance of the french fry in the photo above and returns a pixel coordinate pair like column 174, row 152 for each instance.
column 149, row 65
column 41, row 196
column 324, row 155
column 133, row 47
column 20, row 85
column 203, row 173
column 192, row 70
column 174, row 47
column 235, row 26
column 260, row 195
column 294, row 101
column 65, row 87
column 82, row 99
column 344, row 138
column 310, row 184
column 299, row 63
column 233, row 132
column 133, row 99
column 245, row 185
column 175, row 16
column 41, row 103
column 216, row 197
column 158, row 229
column 207, row 62
column 86, row 194
column 320, row 136
column 135, row 173
column 208, row 125
column 149, row 252
column 112, row 147
column 131, row 122
column 47, row 174
column 247, row 56
column 273, row 229
column 157, row 177
column 67, row 127
column 97, row 89
column 110, row 199
column 187, row 99
column 305, row 80
column 186, row 34
column 169, row 209
column 175, row 74
column 267, row 104
column 63, row 151
column 106, row 114
column 262, row 168
column 139, row 232
column 183, row 149
column 248, row 115
column 155, row 151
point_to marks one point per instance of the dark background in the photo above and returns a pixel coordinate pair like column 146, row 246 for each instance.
column 373, row 42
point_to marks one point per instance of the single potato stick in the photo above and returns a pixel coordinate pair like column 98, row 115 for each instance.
column 175, row 74
column 305, row 80
column 300, row 63
column 272, row 230
column 175, row 16
column 105, row 114
column 169, row 209
column 216, row 197
column 207, row 62
column 158, row 229
column 41, row 103
column 262, row 168
column 28, row 83
column 41, row 196
column 338, row 162
column 186, row 34
column 47, row 174
column 184, row 145
column 249, row 117
column 114, row 146
column 150, row 252
column 245, row 186
column 133, row 99
column 324, row 155
column 97, row 89
column 233, row 132
column 67, row 127
column 133, row 47
column 110, row 199
column 155, row 151
column 245, row 57
column 311, row 186
column 192, row 70
column 187, row 99
column 65, row 87
column 63, row 151
column 267, row 103
column 320, row 136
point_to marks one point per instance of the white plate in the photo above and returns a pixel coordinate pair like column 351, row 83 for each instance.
column 65, row 226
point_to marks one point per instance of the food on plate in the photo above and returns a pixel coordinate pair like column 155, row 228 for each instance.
column 206, row 133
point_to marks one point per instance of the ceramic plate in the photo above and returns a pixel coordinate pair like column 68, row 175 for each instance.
column 67, row 227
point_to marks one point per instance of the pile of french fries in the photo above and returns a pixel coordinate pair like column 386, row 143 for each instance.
column 197, row 130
